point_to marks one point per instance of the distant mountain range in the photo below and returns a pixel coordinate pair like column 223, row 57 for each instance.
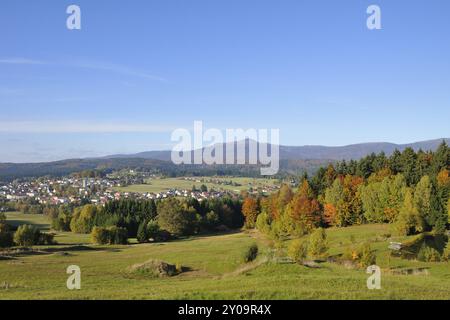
column 292, row 159
column 354, row 151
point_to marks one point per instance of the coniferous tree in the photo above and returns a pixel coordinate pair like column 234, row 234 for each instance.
column 142, row 234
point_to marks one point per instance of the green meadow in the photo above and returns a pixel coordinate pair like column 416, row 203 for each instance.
column 165, row 184
column 214, row 270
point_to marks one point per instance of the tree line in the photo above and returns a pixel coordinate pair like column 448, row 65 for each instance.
column 148, row 219
column 409, row 189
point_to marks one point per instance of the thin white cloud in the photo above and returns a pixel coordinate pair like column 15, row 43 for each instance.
column 117, row 69
column 112, row 68
column 20, row 61
column 79, row 127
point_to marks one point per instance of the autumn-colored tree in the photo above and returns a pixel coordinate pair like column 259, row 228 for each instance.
column 285, row 196
column 276, row 202
column 330, row 175
column 409, row 221
column 318, row 244
column 304, row 210
column 329, row 213
column 379, row 176
column 250, row 210
column 333, row 197
column 443, row 179
column 344, row 198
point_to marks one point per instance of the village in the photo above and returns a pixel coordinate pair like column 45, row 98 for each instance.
column 99, row 190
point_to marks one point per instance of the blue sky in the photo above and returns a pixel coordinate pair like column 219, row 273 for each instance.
column 138, row 69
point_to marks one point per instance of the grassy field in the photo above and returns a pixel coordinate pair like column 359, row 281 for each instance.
column 43, row 223
column 215, row 271
column 164, row 184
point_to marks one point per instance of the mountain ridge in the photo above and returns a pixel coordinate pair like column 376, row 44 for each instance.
column 292, row 160
column 315, row 152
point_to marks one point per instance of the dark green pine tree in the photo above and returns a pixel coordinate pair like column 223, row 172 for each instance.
column 438, row 215
column 395, row 162
column 142, row 233
column 441, row 159
column 409, row 166
column 380, row 162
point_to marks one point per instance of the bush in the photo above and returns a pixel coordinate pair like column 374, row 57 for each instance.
column 446, row 254
column 366, row 256
column 27, row 236
column 211, row 220
column 298, row 250
column 118, row 235
column 428, row 254
column 100, row 235
column 61, row 222
column 162, row 236
column 251, row 253
column 363, row 254
column 263, row 223
column 6, row 236
column 318, row 244
column 46, row 239
column 111, row 235
column 154, row 233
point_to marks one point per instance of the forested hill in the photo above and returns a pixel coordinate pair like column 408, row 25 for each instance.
column 293, row 160
column 354, row 151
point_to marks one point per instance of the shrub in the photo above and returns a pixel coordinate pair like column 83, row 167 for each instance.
column 263, row 223
column 298, row 250
column 211, row 220
column 318, row 244
column 446, row 254
column 100, row 235
column 363, row 254
column 162, row 236
column 118, row 235
column 428, row 254
column 61, row 222
column 6, row 236
column 26, row 236
column 46, row 239
column 251, row 253
column 366, row 256
column 155, row 233
column 111, row 235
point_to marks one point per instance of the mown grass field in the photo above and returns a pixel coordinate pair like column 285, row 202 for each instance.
column 165, row 184
column 215, row 271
